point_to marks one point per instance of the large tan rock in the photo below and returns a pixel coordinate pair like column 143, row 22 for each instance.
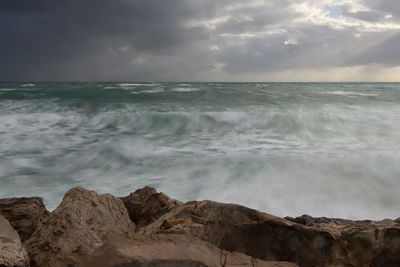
column 145, row 205
column 207, row 220
column 260, row 235
column 12, row 254
column 78, row 226
column 24, row 214
column 88, row 229
column 312, row 242
column 173, row 251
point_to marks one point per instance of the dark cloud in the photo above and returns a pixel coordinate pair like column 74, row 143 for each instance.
column 91, row 39
column 141, row 40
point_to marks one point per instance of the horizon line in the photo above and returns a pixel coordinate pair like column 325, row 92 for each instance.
column 2, row 82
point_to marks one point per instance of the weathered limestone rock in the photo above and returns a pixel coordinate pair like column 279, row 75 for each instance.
column 24, row 214
column 171, row 250
column 278, row 240
column 206, row 220
column 77, row 228
column 359, row 244
column 362, row 244
column 12, row 254
column 311, row 242
column 146, row 205
column 89, row 229
column 368, row 243
column 389, row 253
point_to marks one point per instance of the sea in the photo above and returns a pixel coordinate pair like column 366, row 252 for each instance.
column 323, row 149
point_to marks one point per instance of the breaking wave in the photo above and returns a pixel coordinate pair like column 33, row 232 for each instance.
column 287, row 149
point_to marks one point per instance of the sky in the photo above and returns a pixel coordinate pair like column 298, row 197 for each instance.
column 200, row 40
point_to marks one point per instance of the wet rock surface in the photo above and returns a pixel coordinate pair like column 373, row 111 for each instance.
column 148, row 228
column 12, row 253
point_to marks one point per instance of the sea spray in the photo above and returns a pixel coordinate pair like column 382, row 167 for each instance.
column 286, row 148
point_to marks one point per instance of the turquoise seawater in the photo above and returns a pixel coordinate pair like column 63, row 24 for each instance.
column 285, row 148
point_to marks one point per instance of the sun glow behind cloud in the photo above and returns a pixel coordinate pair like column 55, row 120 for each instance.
column 320, row 14
column 326, row 40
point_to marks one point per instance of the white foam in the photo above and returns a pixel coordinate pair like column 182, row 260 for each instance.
column 184, row 89
column 348, row 93
column 150, row 91
column 27, row 85
column 137, row 84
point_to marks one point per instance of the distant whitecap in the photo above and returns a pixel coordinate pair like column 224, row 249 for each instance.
column 27, row 85
column 184, row 89
column 137, row 84
column 349, row 93
column 150, row 91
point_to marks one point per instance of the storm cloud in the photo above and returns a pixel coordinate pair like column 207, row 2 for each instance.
column 189, row 40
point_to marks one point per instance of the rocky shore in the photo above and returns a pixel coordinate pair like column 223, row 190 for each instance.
column 148, row 228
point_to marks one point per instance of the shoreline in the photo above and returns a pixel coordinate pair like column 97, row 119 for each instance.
column 147, row 228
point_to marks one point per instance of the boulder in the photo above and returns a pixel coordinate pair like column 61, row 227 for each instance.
column 173, row 251
column 88, row 229
column 236, row 228
column 368, row 243
column 389, row 253
column 311, row 242
column 78, row 226
column 145, row 205
column 12, row 253
column 206, row 220
column 282, row 241
column 24, row 214
column 324, row 242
